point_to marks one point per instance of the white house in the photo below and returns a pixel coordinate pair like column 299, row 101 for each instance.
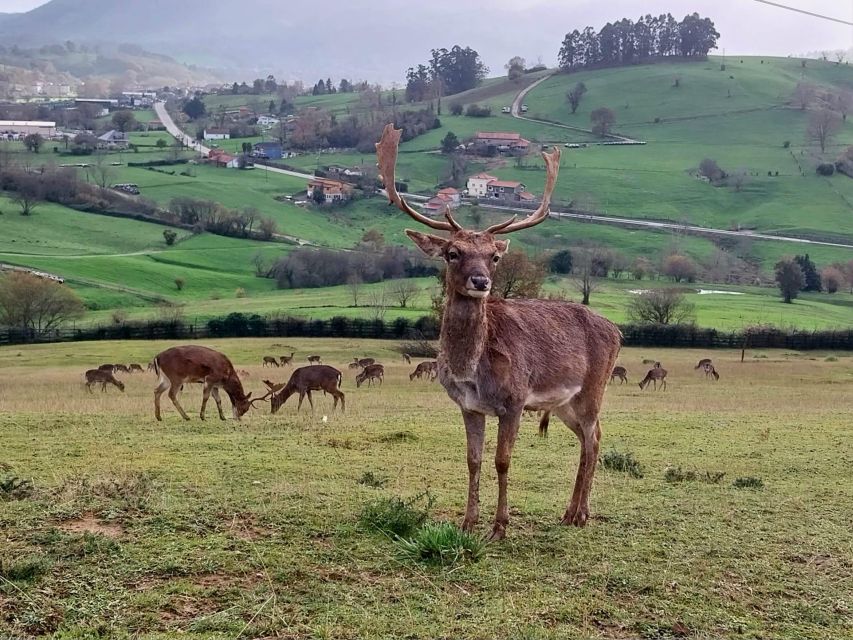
column 215, row 133
column 477, row 185
column 267, row 121
column 451, row 196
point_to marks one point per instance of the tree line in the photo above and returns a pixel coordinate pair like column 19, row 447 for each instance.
column 448, row 71
column 627, row 42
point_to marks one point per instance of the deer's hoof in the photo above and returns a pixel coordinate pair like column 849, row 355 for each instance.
column 498, row 533
column 575, row 518
column 468, row 525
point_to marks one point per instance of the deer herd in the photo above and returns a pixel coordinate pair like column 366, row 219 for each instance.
column 497, row 357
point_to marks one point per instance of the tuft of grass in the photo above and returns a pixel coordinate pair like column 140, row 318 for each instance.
column 395, row 516
column 830, row 359
column 398, row 436
column 748, row 482
column 675, row 474
column 14, row 488
column 370, row 479
column 624, row 462
column 131, row 488
column 441, row 543
column 25, row 569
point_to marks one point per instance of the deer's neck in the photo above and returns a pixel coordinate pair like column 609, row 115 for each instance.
column 464, row 331
column 234, row 388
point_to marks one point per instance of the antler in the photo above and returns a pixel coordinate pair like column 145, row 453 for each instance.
column 261, row 399
column 386, row 154
column 552, row 166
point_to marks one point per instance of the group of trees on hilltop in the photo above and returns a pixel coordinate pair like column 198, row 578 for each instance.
column 448, row 72
column 627, row 42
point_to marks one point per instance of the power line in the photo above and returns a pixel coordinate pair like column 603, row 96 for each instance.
column 808, row 13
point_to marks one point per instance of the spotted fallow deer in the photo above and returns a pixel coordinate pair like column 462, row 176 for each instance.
column 621, row 373
column 656, row 374
column 499, row 356
column 710, row 371
column 102, row 377
column 194, row 363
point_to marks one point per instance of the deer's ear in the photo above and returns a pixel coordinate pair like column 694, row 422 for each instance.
column 501, row 246
column 429, row 244
column 248, row 395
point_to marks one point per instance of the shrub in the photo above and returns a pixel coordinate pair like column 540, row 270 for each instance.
column 179, row 284
column 456, row 109
column 476, row 111
column 395, row 516
column 370, row 479
column 419, row 348
column 786, row 144
column 170, row 236
column 25, row 569
column 14, row 488
column 748, row 482
column 675, row 474
column 240, row 292
column 825, row 169
column 119, row 316
column 624, row 462
column 441, row 543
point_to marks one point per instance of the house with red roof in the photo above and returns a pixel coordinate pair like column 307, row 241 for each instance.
column 489, row 143
column 333, row 190
column 508, row 191
column 477, row 185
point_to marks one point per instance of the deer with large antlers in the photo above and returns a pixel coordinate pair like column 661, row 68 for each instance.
column 193, row 363
column 499, row 356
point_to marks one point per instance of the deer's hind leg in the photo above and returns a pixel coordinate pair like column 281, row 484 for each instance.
column 585, row 424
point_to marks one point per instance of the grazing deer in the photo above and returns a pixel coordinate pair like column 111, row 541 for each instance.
column 361, row 363
column 120, row 368
column 107, row 367
column 701, row 364
column 654, row 375
column 192, row 363
column 102, row 377
column 304, row 380
column 287, row 360
column 269, row 361
column 426, row 368
column 710, row 371
column 621, row 373
column 370, row 373
column 499, row 356
column 314, row 360
column 135, row 367
column 407, row 358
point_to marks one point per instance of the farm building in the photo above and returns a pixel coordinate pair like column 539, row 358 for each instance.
column 477, row 185
column 508, row 191
column 267, row 121
column 333, row 190
column 113, row 139
column 215, row 133
column 491, row 142
column 18, row 128
column 268, row 150
column 104, row 103
column 224, row 160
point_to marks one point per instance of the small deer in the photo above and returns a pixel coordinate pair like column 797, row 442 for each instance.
column 407, row 358
column 269, row 361
column 361, row 363
column 151, row 366
column 710, row 371
column 314, row 360
column 193, row 363
column 102, row 377
column 370, row 373
column 425, row 368
column 621, row 373
column 134, row 368
column 120, row 368
column 287, row 360
column 500, row 356
column 107, row 367
column 655, row 375
column 701, row 364
column 303, row 381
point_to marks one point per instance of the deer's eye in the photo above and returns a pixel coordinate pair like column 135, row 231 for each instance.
column 453, row 255
column 496, row 258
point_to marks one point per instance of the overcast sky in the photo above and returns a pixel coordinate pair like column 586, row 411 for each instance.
column 747, row 26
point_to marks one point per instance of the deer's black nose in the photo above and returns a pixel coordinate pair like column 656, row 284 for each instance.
column 481, row 283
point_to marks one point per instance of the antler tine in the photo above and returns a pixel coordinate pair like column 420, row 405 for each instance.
column 552, row 166
column 449, row 217
column 386, row 155
column 261, row 399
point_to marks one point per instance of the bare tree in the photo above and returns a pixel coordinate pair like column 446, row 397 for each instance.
column 37, row 305
column 803, row 96
column 711, row 170
column 262, row 268
column 739, row 178
column 28, row 194
column 823, row 125
column 403, row 291
column 680, row 268
column 354, row 283
column 102, row 171
column 661, row 306
column 517, row 276
column 575, row 94
column 602, row 120
column 844, row 103
column 378, row 301
column 583, row 266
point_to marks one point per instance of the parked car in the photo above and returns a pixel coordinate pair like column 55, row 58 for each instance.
column 506, row 109
column 524, row 108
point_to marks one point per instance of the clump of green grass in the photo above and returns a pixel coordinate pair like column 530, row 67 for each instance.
column 748, row 482
column 370, row 479
column 441, row 543
column 131, row 488
column 676, row 474
column 14, row 488
column 830, row 359
column 398, row 436
column 25, row 569
column 624, row 462
column 395, row 516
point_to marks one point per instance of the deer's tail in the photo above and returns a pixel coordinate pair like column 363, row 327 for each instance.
column 156, row 367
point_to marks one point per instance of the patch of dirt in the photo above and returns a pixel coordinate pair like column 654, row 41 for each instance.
column 245, row 527
column 88, row 523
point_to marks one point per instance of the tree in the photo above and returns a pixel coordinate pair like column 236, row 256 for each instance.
column 803, row 96
column 354, row 283
column 36, row 305
column 179, row 284
column 711, row 170
column 169, row 236
column 680, row 268
column 161, row 143
column 33, row 142
column 124, row 120
column 449, row 143
column 267, row 228
column 318, row 195
column 561, row 262
column 844, row 103
column 790, row 279
column 517, row 276
column 403, row 291
column 810, row 273
column 195, row 108
column 28, row 194
column 515, row 67
column 584, row 267
column 823, row 125
column 602, row 120
column 374, row 239
column 832, row 279
column 575, row 94
column 660, row 306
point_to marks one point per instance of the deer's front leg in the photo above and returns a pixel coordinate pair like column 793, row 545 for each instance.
column 475, row 434
column 508, row 425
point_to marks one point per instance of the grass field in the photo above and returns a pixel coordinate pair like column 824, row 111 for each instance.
column 135, row 528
